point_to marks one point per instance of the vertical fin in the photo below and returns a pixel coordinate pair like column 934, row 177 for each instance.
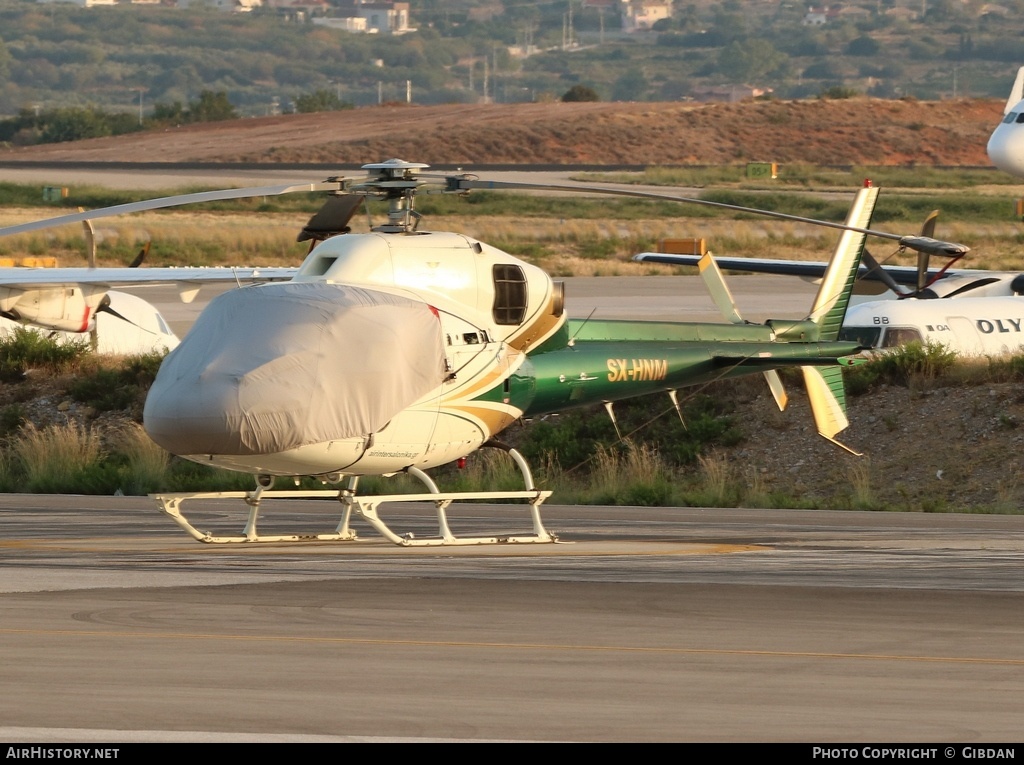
column 1016, row 93
column 827, row 395
column 837, row 284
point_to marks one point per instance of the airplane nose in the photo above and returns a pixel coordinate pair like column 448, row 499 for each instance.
column 1006, row 148
column 278, row 366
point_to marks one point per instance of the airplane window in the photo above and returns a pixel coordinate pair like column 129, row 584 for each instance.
column 865, row 336
column 510, row 298
column 895, row 337
column 1011, row 117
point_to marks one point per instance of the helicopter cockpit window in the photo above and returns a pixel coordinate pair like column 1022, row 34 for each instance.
column 510, row 296
column 897, row 336
column 1010, row 117
column 867, row 337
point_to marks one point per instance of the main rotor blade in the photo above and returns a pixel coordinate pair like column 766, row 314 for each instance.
column 948, row 249
column 175, row 201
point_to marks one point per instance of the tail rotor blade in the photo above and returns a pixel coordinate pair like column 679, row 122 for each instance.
column 720, row 294
column 718, row 289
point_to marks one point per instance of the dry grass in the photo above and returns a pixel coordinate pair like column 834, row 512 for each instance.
column 53, row 457
column 570, row 247
column 147, row 463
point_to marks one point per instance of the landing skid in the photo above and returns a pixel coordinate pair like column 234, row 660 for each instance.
column 367, row 507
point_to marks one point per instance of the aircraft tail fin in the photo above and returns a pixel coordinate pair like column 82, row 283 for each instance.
column 1016, row 93
column 827, row 397
column 833, row 296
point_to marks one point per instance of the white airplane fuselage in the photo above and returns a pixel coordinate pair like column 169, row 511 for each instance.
column 986, row 326
column 1006, row 144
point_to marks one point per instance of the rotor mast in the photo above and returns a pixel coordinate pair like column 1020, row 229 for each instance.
column 396, row 181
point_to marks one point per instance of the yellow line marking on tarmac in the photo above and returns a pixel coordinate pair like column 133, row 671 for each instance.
column 520, row 646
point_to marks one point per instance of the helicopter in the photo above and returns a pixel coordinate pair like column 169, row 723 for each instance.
column 401, row 350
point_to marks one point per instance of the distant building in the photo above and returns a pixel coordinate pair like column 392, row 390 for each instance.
column 82, row 3
column 350, row 24
column 728, row 93
column 817, row 17
column 381, row 16
column 641, row 15
column 235, row 6
column 300, row 8
column 991, row 10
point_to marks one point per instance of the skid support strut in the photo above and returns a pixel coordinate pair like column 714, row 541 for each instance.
column 368, row 508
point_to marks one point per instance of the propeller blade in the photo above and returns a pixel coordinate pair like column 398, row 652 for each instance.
column 876, row 271
column 90, row 242
column 175, row 201
column 141, row 256
column 927, row 230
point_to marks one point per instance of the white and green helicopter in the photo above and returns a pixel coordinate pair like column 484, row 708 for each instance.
column 401, row 349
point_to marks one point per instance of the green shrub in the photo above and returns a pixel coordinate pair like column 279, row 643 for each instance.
column 121, row 386
column 27, row 349
column 914, row 365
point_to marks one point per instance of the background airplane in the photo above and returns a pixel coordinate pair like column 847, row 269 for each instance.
column 1006, row 144
column 131, row 326
column 82, row 303
column 972, row 312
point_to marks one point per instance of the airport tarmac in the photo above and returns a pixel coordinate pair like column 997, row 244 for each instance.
column 643, row 624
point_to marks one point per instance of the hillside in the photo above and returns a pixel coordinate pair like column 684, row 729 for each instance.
column 827, row 132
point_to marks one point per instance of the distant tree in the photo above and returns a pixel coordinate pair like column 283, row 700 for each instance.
column 211, row 107
column 751, row 60
column 173, row 112
column 580, row 93
column 838, row 93
column 630, row 86
column 74, row 125
column 320, row 101
column 864, row 45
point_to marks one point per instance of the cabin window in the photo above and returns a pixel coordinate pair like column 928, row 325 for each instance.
column 864, row 336
column 510, row 297
column 897, row 336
